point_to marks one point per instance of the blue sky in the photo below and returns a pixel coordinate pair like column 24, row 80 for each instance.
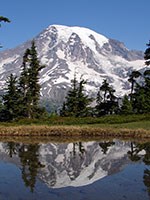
column 125, row 20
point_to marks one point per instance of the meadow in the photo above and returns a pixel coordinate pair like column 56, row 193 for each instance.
column 135, row 126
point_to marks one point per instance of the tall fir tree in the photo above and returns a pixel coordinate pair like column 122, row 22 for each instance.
column 70, row 105
column 139, row 100
column 77, row 102
column 23, row 87
column 132, row 79
column 29, row 87
column 106, row 101
column 34, row 69
column 105, row 89
column 126, row 107
column 10, row 98
column 99, row 110
column 83, row 100
column 63, row 111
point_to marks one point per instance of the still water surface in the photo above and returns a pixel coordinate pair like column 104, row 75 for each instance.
column 94, row 170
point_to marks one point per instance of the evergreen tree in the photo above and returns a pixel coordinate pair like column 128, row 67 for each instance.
column 139, row 100
column 83, row 100
column 145, row 94
column 99, row 108
column 71, row 99
column 10, row 99
column 63, row 111
column 105, row 89
column 141, row 96
column 29, row 88
column 147, row 81
column 132, row 79
column 35, row 68
column 147, row 54
column 23, row 87
column 126, row 107
column 106, row 100
column 101, row 100
column 77, row 102
column 112, row 102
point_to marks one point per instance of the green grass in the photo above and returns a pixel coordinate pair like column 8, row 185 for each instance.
column 115, row 120
column 115, row 126
column 128, row 125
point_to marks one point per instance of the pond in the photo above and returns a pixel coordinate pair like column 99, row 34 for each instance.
column 77, row 170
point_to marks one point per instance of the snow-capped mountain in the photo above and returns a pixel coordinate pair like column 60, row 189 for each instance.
column 69, row 50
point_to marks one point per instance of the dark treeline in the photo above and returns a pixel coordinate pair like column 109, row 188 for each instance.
column 22, row 94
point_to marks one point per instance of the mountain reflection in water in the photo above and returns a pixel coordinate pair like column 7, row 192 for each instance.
column 79, row 170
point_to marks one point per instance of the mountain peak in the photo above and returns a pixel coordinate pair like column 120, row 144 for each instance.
column 85, row 34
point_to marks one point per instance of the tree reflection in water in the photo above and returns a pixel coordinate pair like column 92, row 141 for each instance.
column 134, row 155
column 29, row 158
column 30, row 164
column 12, row 148
column 80, row 147
column 146, row 180
column 105, row 146
column 146, row 160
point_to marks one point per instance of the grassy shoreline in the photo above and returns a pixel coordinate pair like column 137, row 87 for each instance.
column 133, row 126
column 71, row 131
